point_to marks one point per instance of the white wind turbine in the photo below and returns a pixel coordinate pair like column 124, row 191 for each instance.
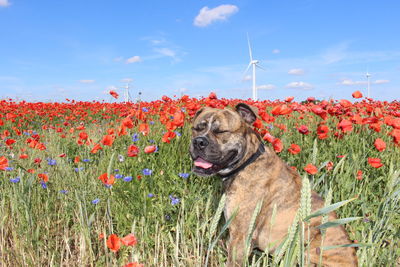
column 253, row 63
column 368, row 75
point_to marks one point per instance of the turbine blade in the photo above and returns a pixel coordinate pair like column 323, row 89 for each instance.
column 247, row 69
column 258, row 66
column 248, row 42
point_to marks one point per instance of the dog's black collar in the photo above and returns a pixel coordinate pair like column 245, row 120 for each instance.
column 260, row 150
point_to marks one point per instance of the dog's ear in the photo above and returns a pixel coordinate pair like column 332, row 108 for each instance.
column 248, row 113
column 198, row 113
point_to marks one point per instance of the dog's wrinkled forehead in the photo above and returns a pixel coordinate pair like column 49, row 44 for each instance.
column 217, row 119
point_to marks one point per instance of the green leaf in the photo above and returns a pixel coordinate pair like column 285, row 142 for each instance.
column 327, row 209
column 337, row 222
column 354, row 245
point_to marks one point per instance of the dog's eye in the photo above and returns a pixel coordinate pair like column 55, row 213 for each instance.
column 219, row 131
column 199, row 127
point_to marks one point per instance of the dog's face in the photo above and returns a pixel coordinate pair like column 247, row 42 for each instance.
column 221, row 138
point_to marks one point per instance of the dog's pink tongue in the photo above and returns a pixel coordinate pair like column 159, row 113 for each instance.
column 199, row 162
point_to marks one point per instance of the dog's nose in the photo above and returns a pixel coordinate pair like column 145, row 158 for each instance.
column 200, row 142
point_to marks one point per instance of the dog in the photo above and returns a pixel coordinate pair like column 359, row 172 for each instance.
column 225, row 144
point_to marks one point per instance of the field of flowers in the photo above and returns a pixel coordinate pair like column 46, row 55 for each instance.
column 110, row 184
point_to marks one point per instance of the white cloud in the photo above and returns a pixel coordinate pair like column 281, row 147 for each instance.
column 351, row 82
column 87, row 81
column 133, row 59
column 266, row 87
column 296, row 72
column 381, row 81
column 4, row 3
column 165, row 52
column 300, row 85
column 336, row 53
column 127, row 80
column 276, row 51
column 247, row 78
column 207, row 16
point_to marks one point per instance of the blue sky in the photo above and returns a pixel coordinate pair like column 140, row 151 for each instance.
column 52, row 50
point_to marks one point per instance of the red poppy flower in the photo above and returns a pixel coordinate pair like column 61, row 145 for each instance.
column 311, row 169
column 268, row 137
column 329, row 166
column 10, row 141
column 107, row 180
column 114, row 94
column 129, row 240
column 144, row 129
column 127, row 122
column 359, row 175
column 357, row 94
column 108, row 140
column 380, row 144
column 289, row 99
column 150, row 149
column 133, row 151
column 133, row 264
column 281, row 110
column 77, row 159
column 43, row 177
column 96, row 148
column 277, row 145
column 179, row 118
column 83, row 135
column 168, row 136
column 114, row 243
column 345, row 126
column 375, row 162
column 303, row 129
column 3, row 163
column 23, row 156
column 294, row 149
column 322, row 132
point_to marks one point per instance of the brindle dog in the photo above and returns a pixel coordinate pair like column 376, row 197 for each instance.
column 225, row 144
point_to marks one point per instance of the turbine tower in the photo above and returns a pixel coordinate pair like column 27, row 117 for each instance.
column 368, row 75
column 253, row 63
column 127, row 95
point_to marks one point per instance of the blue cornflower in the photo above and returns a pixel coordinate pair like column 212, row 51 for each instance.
column 135, row 137
column 152, row 141
column 51, row 162
column 178, row 133
column 86, row 160
column 150, row 195
column 174, row 200
column 95, row 201
column 44, row 185
column 26, row 133
column 79, row 169
column 145, row 109
column 15, row 180
column 184, row 175
column 9, row 168
column 147, row 171
column 118, row 176
column 152, row 122
column 128, row 178
column 116, row 170
column 64, row 191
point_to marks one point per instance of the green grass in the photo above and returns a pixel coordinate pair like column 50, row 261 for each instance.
column 43, row 227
